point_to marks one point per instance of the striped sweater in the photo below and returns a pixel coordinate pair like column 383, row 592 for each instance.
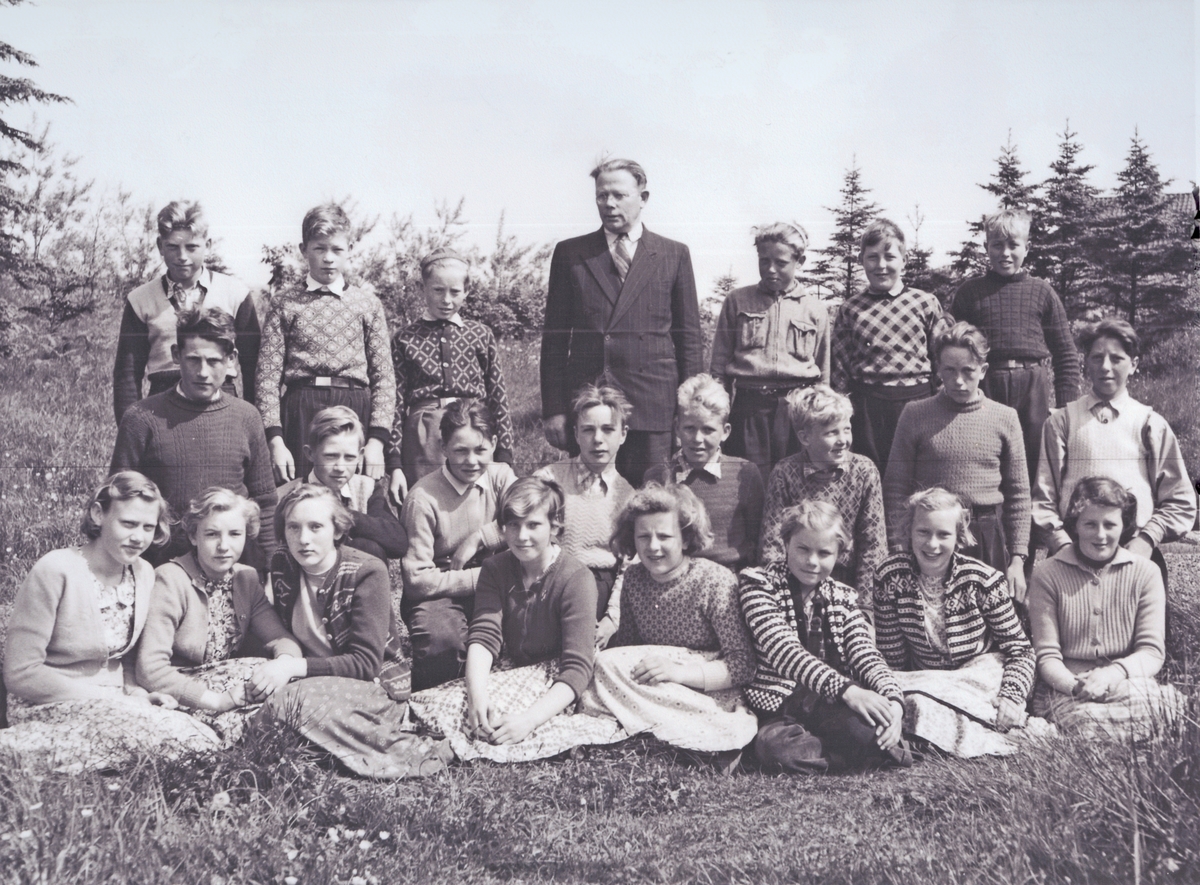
column 783, row 661
column 980, row 618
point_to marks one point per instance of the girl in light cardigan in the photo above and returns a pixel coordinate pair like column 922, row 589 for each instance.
column 69, row 669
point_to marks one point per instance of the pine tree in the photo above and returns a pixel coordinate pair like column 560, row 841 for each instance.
column 918, row 270
column 1011, row 192
column 1140, row 247
column 850, row 219
column 16, row 91
column 1065, row 210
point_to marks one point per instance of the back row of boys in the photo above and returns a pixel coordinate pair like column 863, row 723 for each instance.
column 325, row 343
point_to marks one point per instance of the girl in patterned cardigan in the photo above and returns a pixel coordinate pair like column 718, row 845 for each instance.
column 936, row 609
column 825, row 697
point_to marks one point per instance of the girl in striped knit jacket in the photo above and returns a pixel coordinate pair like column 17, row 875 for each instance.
column 937, row 609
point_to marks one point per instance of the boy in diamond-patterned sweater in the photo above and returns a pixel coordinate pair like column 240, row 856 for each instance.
column 438, row 359
column 883, row 343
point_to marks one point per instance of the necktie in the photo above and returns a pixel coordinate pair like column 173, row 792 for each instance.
column 621, row 257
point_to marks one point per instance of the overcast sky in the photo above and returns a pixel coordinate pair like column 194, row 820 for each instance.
column 742, row 112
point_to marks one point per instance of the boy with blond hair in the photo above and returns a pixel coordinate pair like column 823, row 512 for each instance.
column 730, row 488
column 1025, row 324
column 152, row 309
column 325, row 343
column 335, row 448
column 883, row 342
column 438, row 359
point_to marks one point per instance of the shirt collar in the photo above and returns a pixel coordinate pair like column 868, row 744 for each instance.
column 808, row 468
column 461, row 487
column 344, row 493
column 683, row 468
column 337, row 287
column 1118, row 403
column 455, row 320
column 168, row 284
column 584, row 476
column 1068, row 555
column 635, row 234
column 795, row 291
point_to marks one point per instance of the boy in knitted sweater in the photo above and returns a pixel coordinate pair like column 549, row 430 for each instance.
column 730, row 488
column 1025, row 323
column 969, row 445
column 152, row 310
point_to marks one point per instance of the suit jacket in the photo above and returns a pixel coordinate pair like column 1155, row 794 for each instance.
column 643, row 336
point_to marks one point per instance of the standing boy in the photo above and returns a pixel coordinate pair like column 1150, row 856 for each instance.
column 147, row 336
column 327, row 342
column 883, row 342
column 438, row 359
column 1025, row 324
column 335, row 449
column 195, row 435
column 730, row 488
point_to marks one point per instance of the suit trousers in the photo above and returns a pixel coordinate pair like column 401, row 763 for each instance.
column 876, row 412
column 1028, row 391
column 437, row 629
column 642, row 450
column 301, row 404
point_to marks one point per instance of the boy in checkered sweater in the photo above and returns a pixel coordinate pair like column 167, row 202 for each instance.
column 325, row 343
column 438, row 359
column 883, row 342
column 1025, row 323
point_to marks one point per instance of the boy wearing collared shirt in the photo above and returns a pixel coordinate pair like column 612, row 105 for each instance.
column 440, row 358
column 770, row 339
column 152, row 310
column 730, row 488
column 327, row 343
column 883, row 343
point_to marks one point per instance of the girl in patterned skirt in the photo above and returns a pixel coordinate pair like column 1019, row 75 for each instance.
column 204, row 607
column 69, row 668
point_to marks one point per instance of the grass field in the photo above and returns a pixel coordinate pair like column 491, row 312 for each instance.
column 268, row 812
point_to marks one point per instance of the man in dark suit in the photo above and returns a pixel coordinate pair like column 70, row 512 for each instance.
column 621, row 309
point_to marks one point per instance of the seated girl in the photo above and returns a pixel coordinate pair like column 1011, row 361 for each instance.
column 352, row 681
column 535, row 611
column 69, row 666
column 1099, row 617
column 205, row 605
column 826, row 701
column 938, row 610
column 681, row 654
column 450, row 518
column 595, row 493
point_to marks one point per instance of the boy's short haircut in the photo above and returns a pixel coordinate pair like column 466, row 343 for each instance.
column 815, row 516
column 335, row 421
column 210, row 324
column 931, row 500
column 883, row 231
column 705, row 392
column 326, row 220
column 528, row 494
column 1104, row 492
column 342, row 518
column 817, row 406
column 125, row 485
column 616, row 164
column 1012, row 223
column 591, row 395
column 1109, row 327
column 440, row 257
column 790, row 235
column 467, row 413
column 215, row 499
column 966, row 336
column 182, row 215
column 654, row 498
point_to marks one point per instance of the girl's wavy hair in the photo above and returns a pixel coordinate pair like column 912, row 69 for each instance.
column 932, row 500
column 342, row 519
column 1104, row 492
column 528, row 494
column 815, row 516
column 219, row 500
column 655, row 498
column 125, row 486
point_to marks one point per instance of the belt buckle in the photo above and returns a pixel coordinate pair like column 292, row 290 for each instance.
column 322, row 381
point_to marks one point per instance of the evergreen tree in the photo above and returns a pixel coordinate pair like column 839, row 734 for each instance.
column 1141, row 249
column 1011, row 192
column 918, row 269
column 15, row 91
column 850, row 219
column 1066, row 208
